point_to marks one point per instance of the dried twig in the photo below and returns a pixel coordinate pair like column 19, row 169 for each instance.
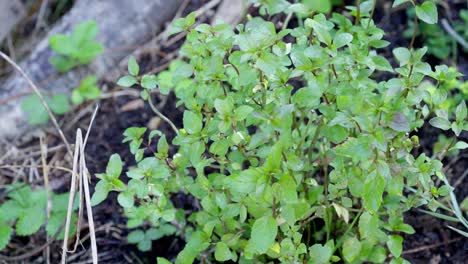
column 80, row 173
column 453, row 33
column 423, row 248
column 41, row 98
column 45, row 176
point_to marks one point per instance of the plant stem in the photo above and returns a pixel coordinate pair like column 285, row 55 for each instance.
column 358, row 15
column 416, row 26
column 163, row 117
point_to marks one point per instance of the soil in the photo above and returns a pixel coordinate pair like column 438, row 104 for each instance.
column 433, row 242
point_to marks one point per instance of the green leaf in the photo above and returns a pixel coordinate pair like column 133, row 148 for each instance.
column 162, row 261
column 127, row 81
column 320, row 254
column 263, row 234
column 62, row 44
column 192, row 122
column 55, row 222
column 395, row 245
column 461, row 112
column 242, row 112
column 149, row 81
column 5, row 235
column 399, row 123
column 144, row 245
column 222, row 252
column 319, row 6
column 459, row 145
column 59, row 104
column 114, row 167
column 342, row 39
column 373, row 191
column 133, row 67
column 125, row 199
column 440, row 122
column 351, row 249
column 197, row 243
column 403, row 55
column 83, row 32
column 399, row 2
column 427, row 12
column 136, row 236
column 100, row 192
column 381, row 64
column 30, row 221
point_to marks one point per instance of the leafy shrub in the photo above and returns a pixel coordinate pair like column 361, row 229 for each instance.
column 26, row 210
column 293, row 151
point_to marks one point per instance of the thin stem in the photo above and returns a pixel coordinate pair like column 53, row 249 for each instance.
column 416, row 26
column 372, row 13
column 358, row 15
column 163, row 117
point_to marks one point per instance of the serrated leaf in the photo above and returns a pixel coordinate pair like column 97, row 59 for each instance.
column 55, row 222
column 5, row 235
column 30, row 221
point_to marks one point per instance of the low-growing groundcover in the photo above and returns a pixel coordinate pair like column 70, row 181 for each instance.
column 316, row 173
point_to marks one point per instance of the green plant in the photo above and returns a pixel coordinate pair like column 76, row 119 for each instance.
column 438, row 42
column 87, row 90
column 293, row 151
column 36, row 112
column 26, row 210
column 75, row 49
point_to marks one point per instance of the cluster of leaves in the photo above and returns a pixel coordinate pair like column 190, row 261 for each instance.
column 76, row 49
column 294, row 151
column 438, row 42
column 301, row 7
column 25, row 209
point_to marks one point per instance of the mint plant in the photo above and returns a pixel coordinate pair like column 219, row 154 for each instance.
column 87, row 90
column 294, row 151
column 25, row 209
column 77, row 48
